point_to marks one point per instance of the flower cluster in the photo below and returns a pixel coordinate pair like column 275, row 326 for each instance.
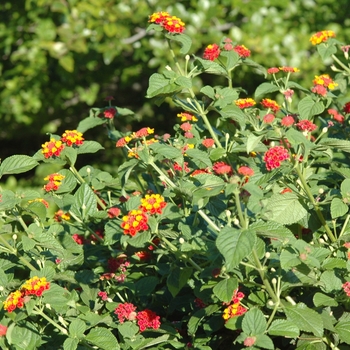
column 61, row 215
column 286, row 69
column 34, row 286
column 287, row 121
column 212, row 51
column 245, row 103
column 274, row 156
column 322, row 36
column 70, row 138
column 242, row 51
column 134, row 222
column 271, row 104
column 153, row 204
column 185, row 116
column 235, row 308
column 170, row 23
column 322, row 83
column 245, row 171
column 54, row 182
column 346, row 108
column 109, row 113
column 346, row 288
column 306, row 125
column 336, row 115
column 222, row 168
column 145, row 319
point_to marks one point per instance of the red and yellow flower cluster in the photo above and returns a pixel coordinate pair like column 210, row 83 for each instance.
column 70, row 138
column 170, row 23
column 145, row 319
column 212, row 51
column 271, row 104
column 235, row 308
column 286, row 69
column 322, row 83
column 321, row 37
column 34, row 286
column 54, row 182
column 153, row 204
column 274, row 157
column 245, row 103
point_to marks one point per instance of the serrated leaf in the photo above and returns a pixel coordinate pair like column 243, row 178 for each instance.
column 338, row 208
column 307, row 108
column 305, row 319
column 232, row 59
column 70, row 344
column 265, row 88
column 200, row 158
column 285, row 209
column 198, row 316
column 326, row 51
column 235, row 245
column 252, row 142
column 208, row 91
column 77, row 328
column 333, row 263
column 146, row 285
column 159, row 85
column 321, row 299
column 343, row 145
column 184, row 82
column 283, row 328
column 331, row 283
column 89, row 123
column 103, row 338
column 254, row 322
column 343, row 329
column 217, row 153
column 178, row 279
column 166, row 151
column 89, row 147
column 345, row 189
column 185, row 41
column 84, row 201
column 224, row 289
column 27, row 243
column 17, row 164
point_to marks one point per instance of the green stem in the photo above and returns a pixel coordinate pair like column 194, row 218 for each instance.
column 208, row 220
column 315, row 205
column 344, row 226
column 341, row 64
column 49, row 319
column 242, row 219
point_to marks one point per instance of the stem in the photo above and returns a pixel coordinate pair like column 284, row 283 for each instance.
column 315, row 205
column 344, row 226
column 208, row 220
column 341, row 64
column 242, row 219
column 49, row 319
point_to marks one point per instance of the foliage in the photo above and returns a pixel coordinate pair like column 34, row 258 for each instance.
column 233, row 231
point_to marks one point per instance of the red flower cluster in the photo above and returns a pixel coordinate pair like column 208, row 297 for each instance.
column 208, row 143
column 145, row 319
column 287, row 121
column 322, row 36
column 306, row 125
column 336, row 116
column 222, row 168
column 134, row 222
column 72, row 137
column 113, row 212
column 245, row 103
column 109, row 112
column 274, row 156
column 235, row 309
column 245, row 171
column 153, row 204
column 269, row 118
column 3, row 330
column 346, row 287
column 211, row 52
column 322, row 83
column 242, row 51
column 271, row 104
column 170, row 23
column 346, row 108
column 286, row 69
column 13, row 301
column 54, row 182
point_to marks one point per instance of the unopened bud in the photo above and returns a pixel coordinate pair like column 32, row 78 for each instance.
column 168, row 68
column 236, row 222
column 273, row 269
column 181, row 240
column 267, row 255
column 270, row 303
column 274, row 281
column 321, row 241
column 88, row 170
column 321, row 191
column 14, row 237
column 187, row 57
column 48, row 306
column 324, row 130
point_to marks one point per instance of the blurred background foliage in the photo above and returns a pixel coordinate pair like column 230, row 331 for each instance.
column 61, row 57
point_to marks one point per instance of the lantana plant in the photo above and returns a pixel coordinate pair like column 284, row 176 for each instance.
column 233, row 232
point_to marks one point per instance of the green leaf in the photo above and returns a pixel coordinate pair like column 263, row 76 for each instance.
column 77, row 328
column 185, row 41
column 224, row 289
column 209, row 66
column 184, row 82
column 217, row 153
column 284, row 209
column 235, row 113
column 200, row 158
column 321, row 299
column 264, row 341
column 89, row 123
column 331, row 283
column 326, row 50
column 159, row 85
column 345, row 189
column 232, row 59
column 84, row 201
column 343, row 145
column 139, row 240
column 283, row 328
column 17, row 164
column 307, row 108
column 252, row 142
column 57, row 297
column 150, row 342
column 89, row 147
column 305, row 319
column 264, row 89
column 333, row 263
column 103, row 338
column 166, row 151
column 67, row 62
column 343, row 330
column 338, row 208
column 254, row 322
column 198, row 316
column 146, row 285
column 27, row 243
column 235, row 245
column 208, row 91
column 70, row 344
column 177, row 279
column 69, row 154
column 128, row 329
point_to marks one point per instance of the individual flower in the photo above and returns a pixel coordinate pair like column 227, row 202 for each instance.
column 222, row 168
column 113, row 212
column 153, row 204
column 147, row 319
column 274, row 157
column 245, row 103
column 35, row 286
column 208, row 143
column 143, row 132
column 54, row 182
column 118, row 264
column 3, row 330
column 52, row 148
column 211, row 52
column 271, row 104
column 187, row 117
column 245, row 171
column 346, row 288
column 109, row 113
column 287, row 121
column 242, row 51
column 134, row 222
column 346, row 108
column 273, row 70
column 322, row 36
column 336, row 116
column 287, row 69
column 125, row 312
column 306, row 125
column 13, row 301
column 40, row 200
column 269, row 118
column 72, row 138
column 103, row 295
column 61, row 215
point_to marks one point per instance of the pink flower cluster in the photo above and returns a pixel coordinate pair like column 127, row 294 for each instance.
column 274, row 156
column 346, row 288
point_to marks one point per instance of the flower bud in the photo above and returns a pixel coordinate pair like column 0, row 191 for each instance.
column 187, row 57
column 236, row 222
column 14, row 237
column 273, row 269
column 274, row 281
column 324, row 130
column 88, row 170
column 168, row 68
column 320, row 190
column 267, row 255
column 181, row 240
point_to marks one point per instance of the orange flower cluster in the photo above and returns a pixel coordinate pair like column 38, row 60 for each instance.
column 134, row 222
column 322, row 83
column 245, row 103
column 170, row 23
column 61, row 215
column 54, row 182
column 53, row 148
column 33, row 286
column 187, row 117
column 322, row 36
column 235, row 309
column 268, row 103
column 153, row 204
